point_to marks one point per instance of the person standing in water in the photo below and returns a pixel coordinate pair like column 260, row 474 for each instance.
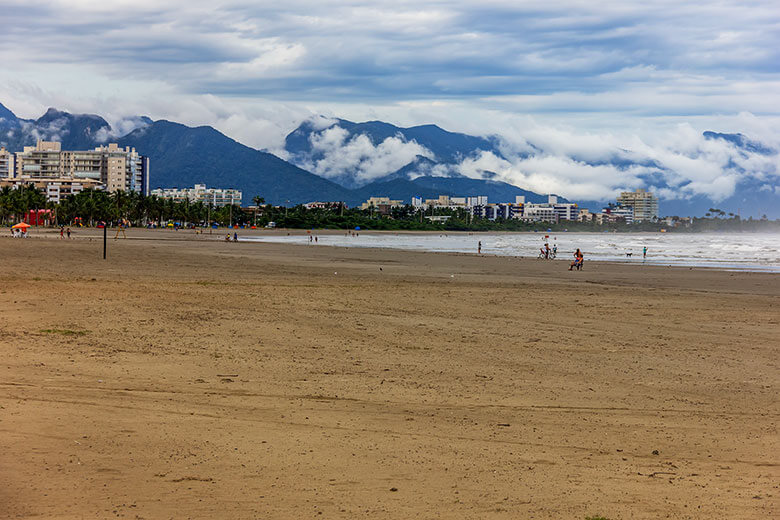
column 644, row 252
column 479, row 247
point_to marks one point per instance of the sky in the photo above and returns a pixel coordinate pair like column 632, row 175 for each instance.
column 572, row 77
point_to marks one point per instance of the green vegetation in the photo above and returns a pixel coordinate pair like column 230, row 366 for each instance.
column 91, row 207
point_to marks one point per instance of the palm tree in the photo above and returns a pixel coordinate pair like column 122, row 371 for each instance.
column 259, row 201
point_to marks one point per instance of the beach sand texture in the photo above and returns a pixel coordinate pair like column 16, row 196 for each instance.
column 186, row 377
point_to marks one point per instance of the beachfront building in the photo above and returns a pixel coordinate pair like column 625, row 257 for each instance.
column 447, row 201
column 643, row 203
column 584, row 215
column 217, row 197
column 64, row 172
column 55, row 188
column 551, row 211
column 6, row 163
column 325, row 205
column 616, row 213
column 381, row 203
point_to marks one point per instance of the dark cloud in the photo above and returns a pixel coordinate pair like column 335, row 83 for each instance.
column 397, row 50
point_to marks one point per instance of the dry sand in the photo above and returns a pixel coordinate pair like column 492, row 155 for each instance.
column 186, row 377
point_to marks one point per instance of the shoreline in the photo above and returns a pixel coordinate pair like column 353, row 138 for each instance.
column 257, row 236
column 177, row 375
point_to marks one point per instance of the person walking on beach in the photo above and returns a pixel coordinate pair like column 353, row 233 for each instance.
column 644, row 252
column 62, row 232
column 479, row 247
column 68, row 233
column 235, row 237
column 120, row 228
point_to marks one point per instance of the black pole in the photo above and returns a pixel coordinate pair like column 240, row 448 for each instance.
column 105, row 225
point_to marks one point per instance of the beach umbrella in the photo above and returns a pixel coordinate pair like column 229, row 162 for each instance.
column 357, row 228
column 21, row 225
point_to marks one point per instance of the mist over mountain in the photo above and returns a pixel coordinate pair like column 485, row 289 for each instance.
column 182, row 156
column 336, row 159
column 75, row 132
column 690, row 173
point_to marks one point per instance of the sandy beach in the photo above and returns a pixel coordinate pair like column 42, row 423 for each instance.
column 187, row 377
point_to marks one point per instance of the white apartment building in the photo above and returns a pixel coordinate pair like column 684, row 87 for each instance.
column 445, row 201
column 644, row 204
column 6, row 163
column 552, row 211
column 217, row 197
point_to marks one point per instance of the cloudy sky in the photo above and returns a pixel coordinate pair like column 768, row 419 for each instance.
column 577, row 75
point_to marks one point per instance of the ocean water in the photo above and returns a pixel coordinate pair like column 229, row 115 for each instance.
column 732, row 251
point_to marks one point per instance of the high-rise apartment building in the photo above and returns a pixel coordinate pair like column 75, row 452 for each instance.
column 6, row 163
column 644, row 204
column 109, row 167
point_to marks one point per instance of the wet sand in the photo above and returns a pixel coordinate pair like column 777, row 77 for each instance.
column 186, row 377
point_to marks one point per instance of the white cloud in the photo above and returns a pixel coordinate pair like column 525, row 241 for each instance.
column 679, row 163
column 335, row 153
column 572, row 87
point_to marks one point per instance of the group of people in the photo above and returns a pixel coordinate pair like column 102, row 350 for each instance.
column 547, row 253
column 64, row 231
column 19, row 233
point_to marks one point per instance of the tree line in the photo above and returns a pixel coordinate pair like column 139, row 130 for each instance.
column 90, row 207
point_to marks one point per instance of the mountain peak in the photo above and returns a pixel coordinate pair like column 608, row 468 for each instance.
column 6, row 114
column 740, row 141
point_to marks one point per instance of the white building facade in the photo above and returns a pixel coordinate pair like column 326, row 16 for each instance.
column 217, row 197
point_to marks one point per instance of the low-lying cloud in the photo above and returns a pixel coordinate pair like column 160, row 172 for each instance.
column 337, row 154
column 681, row 164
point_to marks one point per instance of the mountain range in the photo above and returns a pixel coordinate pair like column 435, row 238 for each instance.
column 333, row 160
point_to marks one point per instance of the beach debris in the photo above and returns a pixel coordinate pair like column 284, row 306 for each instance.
column 655, row 452
column 393, row 489
column 193, row 479
column 335, row 272
column 227, row 375
column 654, row 473
column 505, row 425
